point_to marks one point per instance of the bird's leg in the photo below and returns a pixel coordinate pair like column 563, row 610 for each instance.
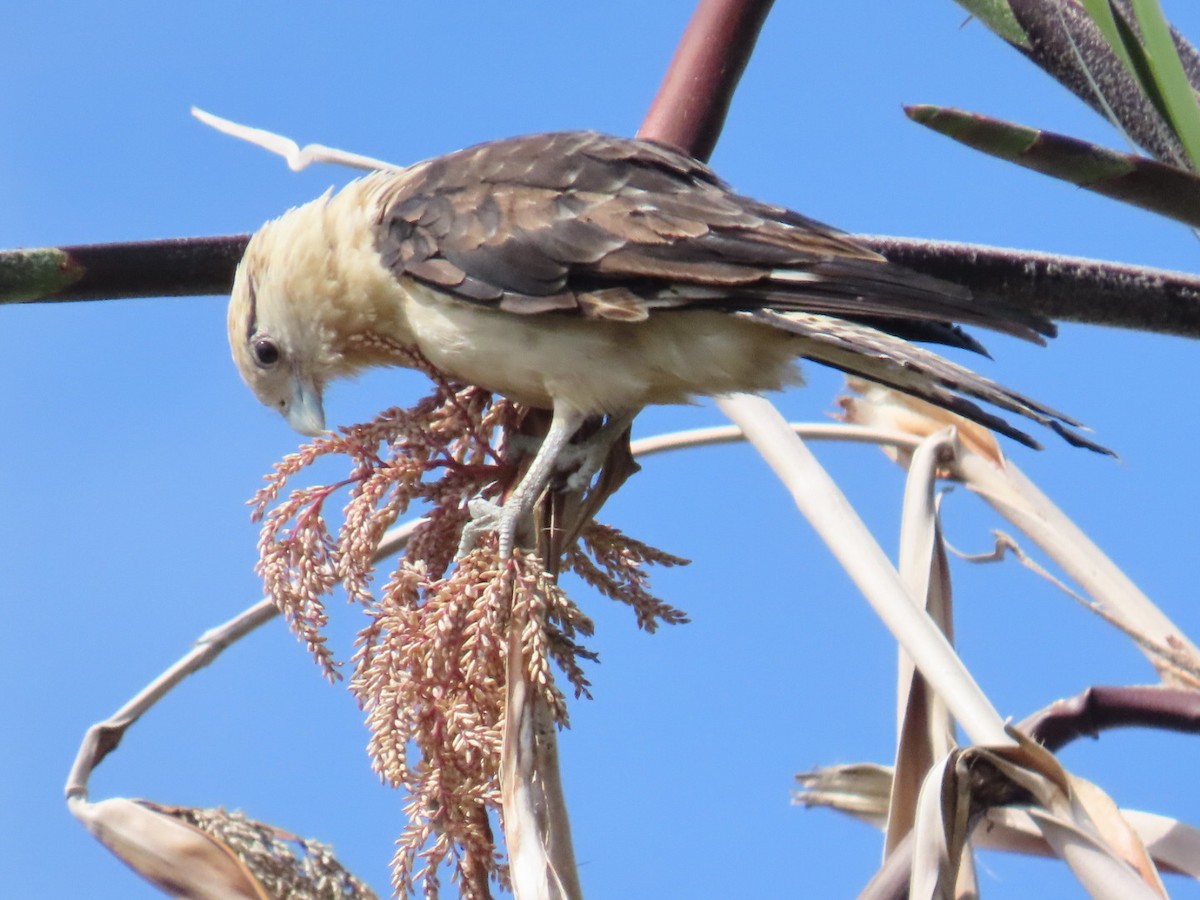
column 564, row 422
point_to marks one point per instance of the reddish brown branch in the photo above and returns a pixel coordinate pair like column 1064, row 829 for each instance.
column 688, row 113
column 1105, row 707
column 1061, row 287
column 689, row 110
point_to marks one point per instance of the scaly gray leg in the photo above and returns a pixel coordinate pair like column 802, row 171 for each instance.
column 506, row 519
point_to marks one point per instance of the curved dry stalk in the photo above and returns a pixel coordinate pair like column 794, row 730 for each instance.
column 1084, row 830
column 1137, row 705
column 1075, row 819
column 1014, row 496
column 925, row 729
column 103, row 737
column 717, row 435
column 1000, row 483
column 827, row 509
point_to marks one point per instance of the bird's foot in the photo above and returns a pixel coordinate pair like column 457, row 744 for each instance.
column 588, row 456
column 486, row 515
column 586, row 460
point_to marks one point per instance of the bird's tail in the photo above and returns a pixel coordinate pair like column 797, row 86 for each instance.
column 859, row 349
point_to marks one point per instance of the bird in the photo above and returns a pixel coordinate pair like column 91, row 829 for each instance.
column 593, row 275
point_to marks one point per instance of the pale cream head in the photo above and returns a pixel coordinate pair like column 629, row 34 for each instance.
column 308, row 293
column 274, row 330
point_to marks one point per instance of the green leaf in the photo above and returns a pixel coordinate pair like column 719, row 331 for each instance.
column 1172, row 83
column 1102, row 14
column 1154, row 62
column 1136, row 180
column 29, row 275
column 998, row 16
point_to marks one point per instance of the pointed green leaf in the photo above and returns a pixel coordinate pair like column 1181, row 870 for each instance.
column 1160, row 188
column 28, row 275
column 1102, row 14
column 998, row 16
column 1172, row 82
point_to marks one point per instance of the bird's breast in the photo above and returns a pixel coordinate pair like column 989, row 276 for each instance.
column 595, row 365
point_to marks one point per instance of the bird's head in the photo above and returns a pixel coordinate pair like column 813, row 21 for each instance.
column 275, row 331
column 307, row 295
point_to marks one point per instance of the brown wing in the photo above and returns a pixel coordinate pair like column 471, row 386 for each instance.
column 616, row 228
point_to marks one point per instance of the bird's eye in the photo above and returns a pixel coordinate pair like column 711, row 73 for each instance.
column 266, row 352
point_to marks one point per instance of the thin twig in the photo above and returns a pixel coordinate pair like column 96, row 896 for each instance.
column 103, row 737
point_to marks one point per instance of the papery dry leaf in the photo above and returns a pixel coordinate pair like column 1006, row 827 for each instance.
column 861, row 790
column 1079, row 820
column 212, row 854
column 171, row 854
column 924, row 727
column 857, row 789
column 984, row 470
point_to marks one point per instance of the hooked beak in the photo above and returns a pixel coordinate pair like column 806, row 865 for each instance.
column 305, row 412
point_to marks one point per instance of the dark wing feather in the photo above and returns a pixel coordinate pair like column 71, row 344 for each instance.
column 615, row 228
column 538, row 223
column 881, row 357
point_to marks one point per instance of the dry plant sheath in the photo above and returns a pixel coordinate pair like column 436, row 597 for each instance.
column 1080, row 821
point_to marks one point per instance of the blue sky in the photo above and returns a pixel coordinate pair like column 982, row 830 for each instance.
column 133, row 444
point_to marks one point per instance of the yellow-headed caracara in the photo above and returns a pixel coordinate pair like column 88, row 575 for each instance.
column 588, row 274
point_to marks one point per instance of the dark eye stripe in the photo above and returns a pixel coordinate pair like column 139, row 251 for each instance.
column 252, row 323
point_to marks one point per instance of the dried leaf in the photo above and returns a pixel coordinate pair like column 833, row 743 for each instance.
column 214, row 854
